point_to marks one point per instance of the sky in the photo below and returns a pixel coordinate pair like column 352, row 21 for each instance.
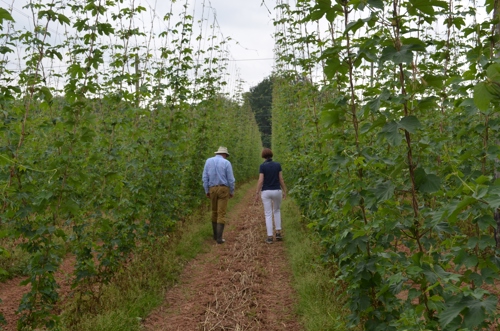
column 249, row 24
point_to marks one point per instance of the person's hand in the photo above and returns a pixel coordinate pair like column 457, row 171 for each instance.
column 231, row 195
column 284, row 195
column 256, row 197
column 208, row 195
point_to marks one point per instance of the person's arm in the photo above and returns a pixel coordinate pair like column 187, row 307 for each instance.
column 283, row 186
column 230, row 178
column 204, row 178
column 259, row 186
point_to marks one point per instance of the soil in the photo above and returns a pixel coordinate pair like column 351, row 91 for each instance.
column 11, row 292
column 243, row 284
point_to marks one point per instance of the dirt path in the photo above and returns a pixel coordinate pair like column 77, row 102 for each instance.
column 243, row 284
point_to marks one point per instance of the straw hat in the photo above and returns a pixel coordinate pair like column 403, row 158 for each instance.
column 222, row 150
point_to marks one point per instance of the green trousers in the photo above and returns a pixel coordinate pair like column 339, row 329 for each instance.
column 219, row 196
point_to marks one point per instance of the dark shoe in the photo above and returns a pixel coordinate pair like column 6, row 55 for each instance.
column 269, row 240
column 220, row 231
column 278, row 236
column 214, row 228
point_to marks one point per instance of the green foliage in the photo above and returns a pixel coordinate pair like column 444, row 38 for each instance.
column 155, row 267
column 396, row 172
column 113, row 160
column 489, row 91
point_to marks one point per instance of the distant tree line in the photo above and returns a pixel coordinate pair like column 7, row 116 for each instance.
column 260, row 99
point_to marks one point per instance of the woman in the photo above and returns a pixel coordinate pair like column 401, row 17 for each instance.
column 272, row 189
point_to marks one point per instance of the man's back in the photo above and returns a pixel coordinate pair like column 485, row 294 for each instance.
column 218, row 171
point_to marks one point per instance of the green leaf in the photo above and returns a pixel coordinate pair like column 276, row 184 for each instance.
column 470, row 261
column 81, row 24
column 428, row 104
column 391, row 133
column 47, row 95
column 414, row 44
column 482, row 97
column 87, row 135
column 485, row 221
column 354, row 26
column 5, row 15
column 493, row 71
column 452, row 310
column 384, row 191
column 315, row 15
column 441, row 4
column 376, row 4
column 334, row 66
column 434, row 80
column 332, row 117
column 477, row 309
column 482, row 179
column 410, row 124
column 443, row 227
column 5, row 50
column 493, row 199
column 105, row 29
column 461, row 205
column 427, row 6
column 332, row 14
column 459, row 22
column 486, row 242
column 427, row 183
column 324, row 4
column 404, row 55
column 471, row 243
column 63, row 19
column 490, row 5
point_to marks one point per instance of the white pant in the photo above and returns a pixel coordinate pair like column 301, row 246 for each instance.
column 271, row 199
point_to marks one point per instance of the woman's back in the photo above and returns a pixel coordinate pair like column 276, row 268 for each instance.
column 270, row 170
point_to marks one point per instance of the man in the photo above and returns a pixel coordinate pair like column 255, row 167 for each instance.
column 218, row 182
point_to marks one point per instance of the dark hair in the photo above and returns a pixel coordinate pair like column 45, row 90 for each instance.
column 267, row 153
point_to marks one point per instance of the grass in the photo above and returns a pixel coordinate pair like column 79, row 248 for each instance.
column 13, row 259
column 318, row 305
column 141, row 287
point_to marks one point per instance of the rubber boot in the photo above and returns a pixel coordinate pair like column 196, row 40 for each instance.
column 220, row 231
column 214, row 227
